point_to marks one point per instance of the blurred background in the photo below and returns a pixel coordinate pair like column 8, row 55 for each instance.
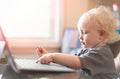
column 28, row 24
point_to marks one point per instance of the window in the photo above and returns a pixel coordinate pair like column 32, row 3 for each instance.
column 31, row 22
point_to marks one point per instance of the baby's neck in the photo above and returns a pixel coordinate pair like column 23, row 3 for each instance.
column 102, row 43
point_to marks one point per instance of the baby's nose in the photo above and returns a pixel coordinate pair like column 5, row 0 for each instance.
column 81, row 37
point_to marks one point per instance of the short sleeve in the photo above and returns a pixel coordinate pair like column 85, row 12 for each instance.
column 98, row 60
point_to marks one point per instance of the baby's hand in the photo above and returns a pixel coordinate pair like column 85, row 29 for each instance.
column 45, row 59
column 40, row 51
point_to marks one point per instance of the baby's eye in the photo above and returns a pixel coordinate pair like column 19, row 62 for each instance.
column 85, row 32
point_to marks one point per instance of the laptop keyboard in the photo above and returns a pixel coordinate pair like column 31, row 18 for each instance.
column 29, row 64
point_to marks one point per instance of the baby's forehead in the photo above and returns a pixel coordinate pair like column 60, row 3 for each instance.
column 88, row 20
column 84, row 19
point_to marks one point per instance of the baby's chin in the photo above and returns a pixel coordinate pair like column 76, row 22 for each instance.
column 85, row 47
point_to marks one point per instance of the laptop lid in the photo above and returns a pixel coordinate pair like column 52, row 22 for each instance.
column 6, row 50
column 2, row 46
column 2, row 43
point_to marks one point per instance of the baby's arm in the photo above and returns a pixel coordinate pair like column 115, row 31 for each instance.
column 60, row 58
column 67, row 60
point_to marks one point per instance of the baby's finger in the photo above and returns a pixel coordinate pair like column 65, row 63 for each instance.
column 43, row 50
column 38, row 60
column 39, row 52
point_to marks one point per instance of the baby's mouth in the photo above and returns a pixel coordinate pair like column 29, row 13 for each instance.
column 82, row 43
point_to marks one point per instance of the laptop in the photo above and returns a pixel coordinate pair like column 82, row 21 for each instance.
column 19, row 65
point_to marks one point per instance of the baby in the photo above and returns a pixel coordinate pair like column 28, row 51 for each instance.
column 97, row 28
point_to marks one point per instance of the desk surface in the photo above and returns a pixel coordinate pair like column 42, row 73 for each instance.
column 6, row 72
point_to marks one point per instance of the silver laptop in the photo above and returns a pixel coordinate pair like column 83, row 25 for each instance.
column 19, row 65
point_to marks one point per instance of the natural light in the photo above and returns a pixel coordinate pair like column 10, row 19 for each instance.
column 31, row 22
column 25, row 18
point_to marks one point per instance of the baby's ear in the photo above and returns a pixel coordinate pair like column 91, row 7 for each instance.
column 102, row 32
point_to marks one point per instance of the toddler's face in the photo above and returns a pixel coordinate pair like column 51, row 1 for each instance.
column 89, row 34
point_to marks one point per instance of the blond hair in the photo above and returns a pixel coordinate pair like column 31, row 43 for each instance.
column 105, row 19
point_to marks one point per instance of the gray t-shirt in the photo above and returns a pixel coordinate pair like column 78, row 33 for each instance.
column 98, row 62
